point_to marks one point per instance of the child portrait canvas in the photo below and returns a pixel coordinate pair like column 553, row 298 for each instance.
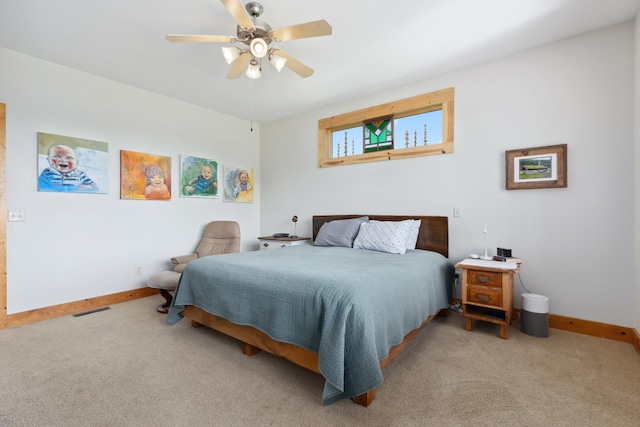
column 238, row 184
column 144, row 176
column 198, row 177
column 72, row 165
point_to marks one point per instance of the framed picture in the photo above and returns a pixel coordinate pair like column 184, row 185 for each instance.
column 144, row 176
column 72, row 165
column 238, row 184
column 198, row 177
column 538, row 167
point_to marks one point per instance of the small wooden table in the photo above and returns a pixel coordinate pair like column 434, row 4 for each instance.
column 487, row 292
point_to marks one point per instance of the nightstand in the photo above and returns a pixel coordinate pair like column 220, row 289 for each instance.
column 487, row 292
column 270, row 242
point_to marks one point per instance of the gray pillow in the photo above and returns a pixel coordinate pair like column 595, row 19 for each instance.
column 340, row 232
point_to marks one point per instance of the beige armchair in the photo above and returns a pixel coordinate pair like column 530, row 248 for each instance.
column 219, row 237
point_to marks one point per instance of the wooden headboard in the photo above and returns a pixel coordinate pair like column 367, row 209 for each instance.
column 433, row 234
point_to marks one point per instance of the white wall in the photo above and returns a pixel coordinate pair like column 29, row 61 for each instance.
column 76, row 246
column 576, row 242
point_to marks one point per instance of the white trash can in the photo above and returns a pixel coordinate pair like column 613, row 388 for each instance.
column 535, row 315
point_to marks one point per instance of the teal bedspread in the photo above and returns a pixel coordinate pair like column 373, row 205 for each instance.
column 350, row 306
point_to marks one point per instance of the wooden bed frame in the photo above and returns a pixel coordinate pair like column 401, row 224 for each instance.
column 433, row 236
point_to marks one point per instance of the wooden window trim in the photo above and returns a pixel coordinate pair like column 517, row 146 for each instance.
column 401, row 108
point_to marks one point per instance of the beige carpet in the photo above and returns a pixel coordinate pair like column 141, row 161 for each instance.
column 127, row 367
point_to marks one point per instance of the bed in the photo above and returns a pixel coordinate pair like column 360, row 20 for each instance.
column 305, row 303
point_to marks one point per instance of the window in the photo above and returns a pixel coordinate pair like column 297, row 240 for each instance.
column 418, row 126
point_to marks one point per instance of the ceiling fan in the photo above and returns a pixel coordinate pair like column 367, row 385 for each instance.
column 258, row 36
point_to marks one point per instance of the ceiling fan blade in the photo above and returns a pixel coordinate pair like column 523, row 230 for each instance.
column 239, row 13
column 182, row 38
column 294, row 65
column 239, row 65
column 301, row 31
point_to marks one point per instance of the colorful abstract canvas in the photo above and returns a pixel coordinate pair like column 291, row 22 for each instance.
column 144, row 176
column 72, row 165
column 198, row 177
column 238, row 184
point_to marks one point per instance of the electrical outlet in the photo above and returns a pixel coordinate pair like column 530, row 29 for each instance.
column 16, row 215
column 138, row 270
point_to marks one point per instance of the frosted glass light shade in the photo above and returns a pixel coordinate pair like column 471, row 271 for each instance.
column 253, row 70
column 277, row 61
column 230, row 54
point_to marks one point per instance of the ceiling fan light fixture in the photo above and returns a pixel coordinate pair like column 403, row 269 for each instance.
column 258, row 47
column 230, row 53
column 253, row 70
column 256, row 37
column 277, row 61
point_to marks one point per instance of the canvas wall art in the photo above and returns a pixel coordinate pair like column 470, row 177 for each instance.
column 238, row 184
column 198, row 177
column 144, row 176
column 72, row 165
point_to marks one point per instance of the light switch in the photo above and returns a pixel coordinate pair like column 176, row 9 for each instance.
column 457, row 211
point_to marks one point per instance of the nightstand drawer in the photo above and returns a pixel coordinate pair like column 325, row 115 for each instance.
column 272, row 244
column 485, row 296
column 266, row 244
column 484, row 278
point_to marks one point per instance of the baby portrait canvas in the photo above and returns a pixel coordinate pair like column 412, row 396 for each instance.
column 72, row 165
column 198, row 177
column 144, row 176
column 238, row 184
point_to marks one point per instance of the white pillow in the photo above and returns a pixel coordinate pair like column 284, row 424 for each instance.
column 412, row 236
column 383, row 236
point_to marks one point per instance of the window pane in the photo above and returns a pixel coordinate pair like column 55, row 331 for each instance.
column 417, row 130
column 347, row 139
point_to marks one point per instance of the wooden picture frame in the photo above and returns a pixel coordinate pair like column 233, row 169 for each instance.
column 537, row 167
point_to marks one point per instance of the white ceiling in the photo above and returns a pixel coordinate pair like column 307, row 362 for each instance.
column 375, row 45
